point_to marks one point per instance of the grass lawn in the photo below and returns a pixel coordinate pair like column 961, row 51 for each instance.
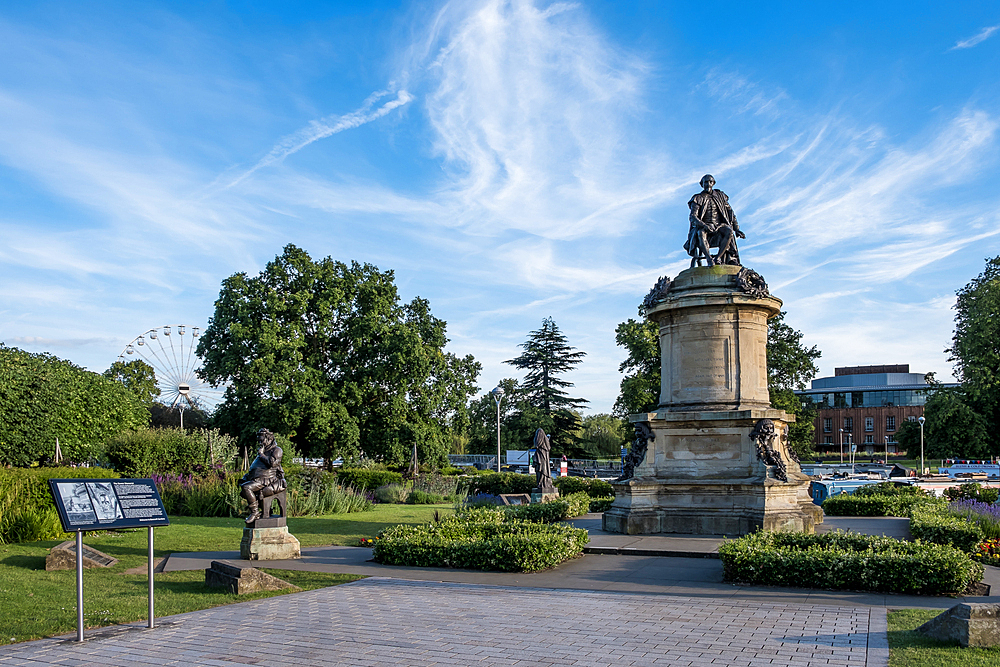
column 908, row 648
column 37, row 603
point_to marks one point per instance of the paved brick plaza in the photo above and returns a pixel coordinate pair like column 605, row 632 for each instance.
column 380, row 621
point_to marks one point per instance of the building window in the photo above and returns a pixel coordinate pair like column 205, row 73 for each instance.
column 869, row 424
column 911, row 418
column 869, row 439
column 848, row 423
column 827, row 424
column 828, row 440
column 890, row 423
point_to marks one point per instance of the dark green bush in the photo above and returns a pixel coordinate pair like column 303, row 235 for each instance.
column 496, row 483
column 855, row 505
column 938, row 526
column 164, row 450
column 889, row 489
column 367, row 478
column 436, row 485
column 848, row 561
column 418, row 497
column 973, row 491
column 550, row 512
column 601, row 504
column 596, row 488
column 480, row 539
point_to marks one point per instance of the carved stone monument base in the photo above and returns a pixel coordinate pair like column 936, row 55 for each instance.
column 713, row 459
column 701, row 476
column 539, row 497
column 269, row 544
column 243, row 580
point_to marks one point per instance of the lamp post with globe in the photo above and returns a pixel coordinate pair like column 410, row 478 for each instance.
column 921, row 420
column 497, row 394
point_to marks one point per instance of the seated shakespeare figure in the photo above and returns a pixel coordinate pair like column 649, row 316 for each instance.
column 265, row 478
column 713, row 225
column 543, row 475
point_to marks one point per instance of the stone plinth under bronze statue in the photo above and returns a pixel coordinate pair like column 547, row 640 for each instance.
column 713, row 458
column 266, row 536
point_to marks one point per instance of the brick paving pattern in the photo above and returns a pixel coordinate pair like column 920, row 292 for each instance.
column 381, row 621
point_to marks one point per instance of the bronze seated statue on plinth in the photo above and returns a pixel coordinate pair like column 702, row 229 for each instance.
column 265, row 479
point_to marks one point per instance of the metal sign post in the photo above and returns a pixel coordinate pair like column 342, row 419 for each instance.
column 79, row 585
column 103, row 504
column 152, row 617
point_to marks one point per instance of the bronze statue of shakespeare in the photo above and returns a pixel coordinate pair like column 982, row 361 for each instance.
column 713, row 225
column 265, row 477
column 543, row 474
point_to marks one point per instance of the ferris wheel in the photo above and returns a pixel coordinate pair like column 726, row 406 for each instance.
column 170, row 350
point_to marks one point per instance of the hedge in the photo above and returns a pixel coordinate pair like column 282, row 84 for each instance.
column 937, row 526
column 848, row 561
column 367, row 478
column 878, row 505
column 480, row 539
column 496, row 483
column 566, row 507
column 595, row 488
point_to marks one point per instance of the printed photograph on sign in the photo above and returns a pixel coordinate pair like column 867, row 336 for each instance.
column 79, row 509
column 105, row 501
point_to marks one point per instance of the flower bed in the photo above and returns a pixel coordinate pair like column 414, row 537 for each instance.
column 848, row 561
column 481, row 539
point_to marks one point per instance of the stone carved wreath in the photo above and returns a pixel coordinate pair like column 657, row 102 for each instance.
column 764, row 435
column 643, row 435
column 752, row 283
column 658, row 294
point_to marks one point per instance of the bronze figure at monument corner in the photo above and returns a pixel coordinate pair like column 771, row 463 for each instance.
column 713, row 458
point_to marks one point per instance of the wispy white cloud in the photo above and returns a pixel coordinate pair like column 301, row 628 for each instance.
column 979, row 37
column 327, row 127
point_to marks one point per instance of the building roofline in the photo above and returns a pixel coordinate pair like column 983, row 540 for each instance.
column 878, row 387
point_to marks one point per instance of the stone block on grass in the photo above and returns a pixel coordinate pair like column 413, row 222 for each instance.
column 975, row 624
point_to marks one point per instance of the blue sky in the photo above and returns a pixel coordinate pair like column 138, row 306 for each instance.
column 509, row 160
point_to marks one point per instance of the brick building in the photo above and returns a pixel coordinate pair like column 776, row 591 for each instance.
column 864, row 404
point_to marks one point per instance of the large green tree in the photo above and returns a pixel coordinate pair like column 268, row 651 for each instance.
column 137, row 376
column 547, row 356
column 43, row 398
column 975, row 350
column 326, row 354
column 640, row 386
column 790, row 366
column 953, row 429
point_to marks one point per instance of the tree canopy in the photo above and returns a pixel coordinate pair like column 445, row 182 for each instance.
column 326, row 354
column 547, row 355
column 975, row 350
column 640, row 388
column 43, row 398
column 137, row 376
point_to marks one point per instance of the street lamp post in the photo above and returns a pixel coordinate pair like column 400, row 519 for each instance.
column 498, row 396
column 841, row 446
column 921, row 420
column 886, row 460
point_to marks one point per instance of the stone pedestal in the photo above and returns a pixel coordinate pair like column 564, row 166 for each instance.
column 269, row 544
column 539, row 497
column 709, row 468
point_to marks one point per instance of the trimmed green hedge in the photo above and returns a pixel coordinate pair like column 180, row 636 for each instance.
column 367, row 478
column 935, row 525
column 595, row 488
column 566, row 507
column 496, row 483
column 599, row 505
column 848, row 561
column 875, row 505
column 481, row 539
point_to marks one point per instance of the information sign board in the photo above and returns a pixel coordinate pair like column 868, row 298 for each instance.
column 102, row 504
